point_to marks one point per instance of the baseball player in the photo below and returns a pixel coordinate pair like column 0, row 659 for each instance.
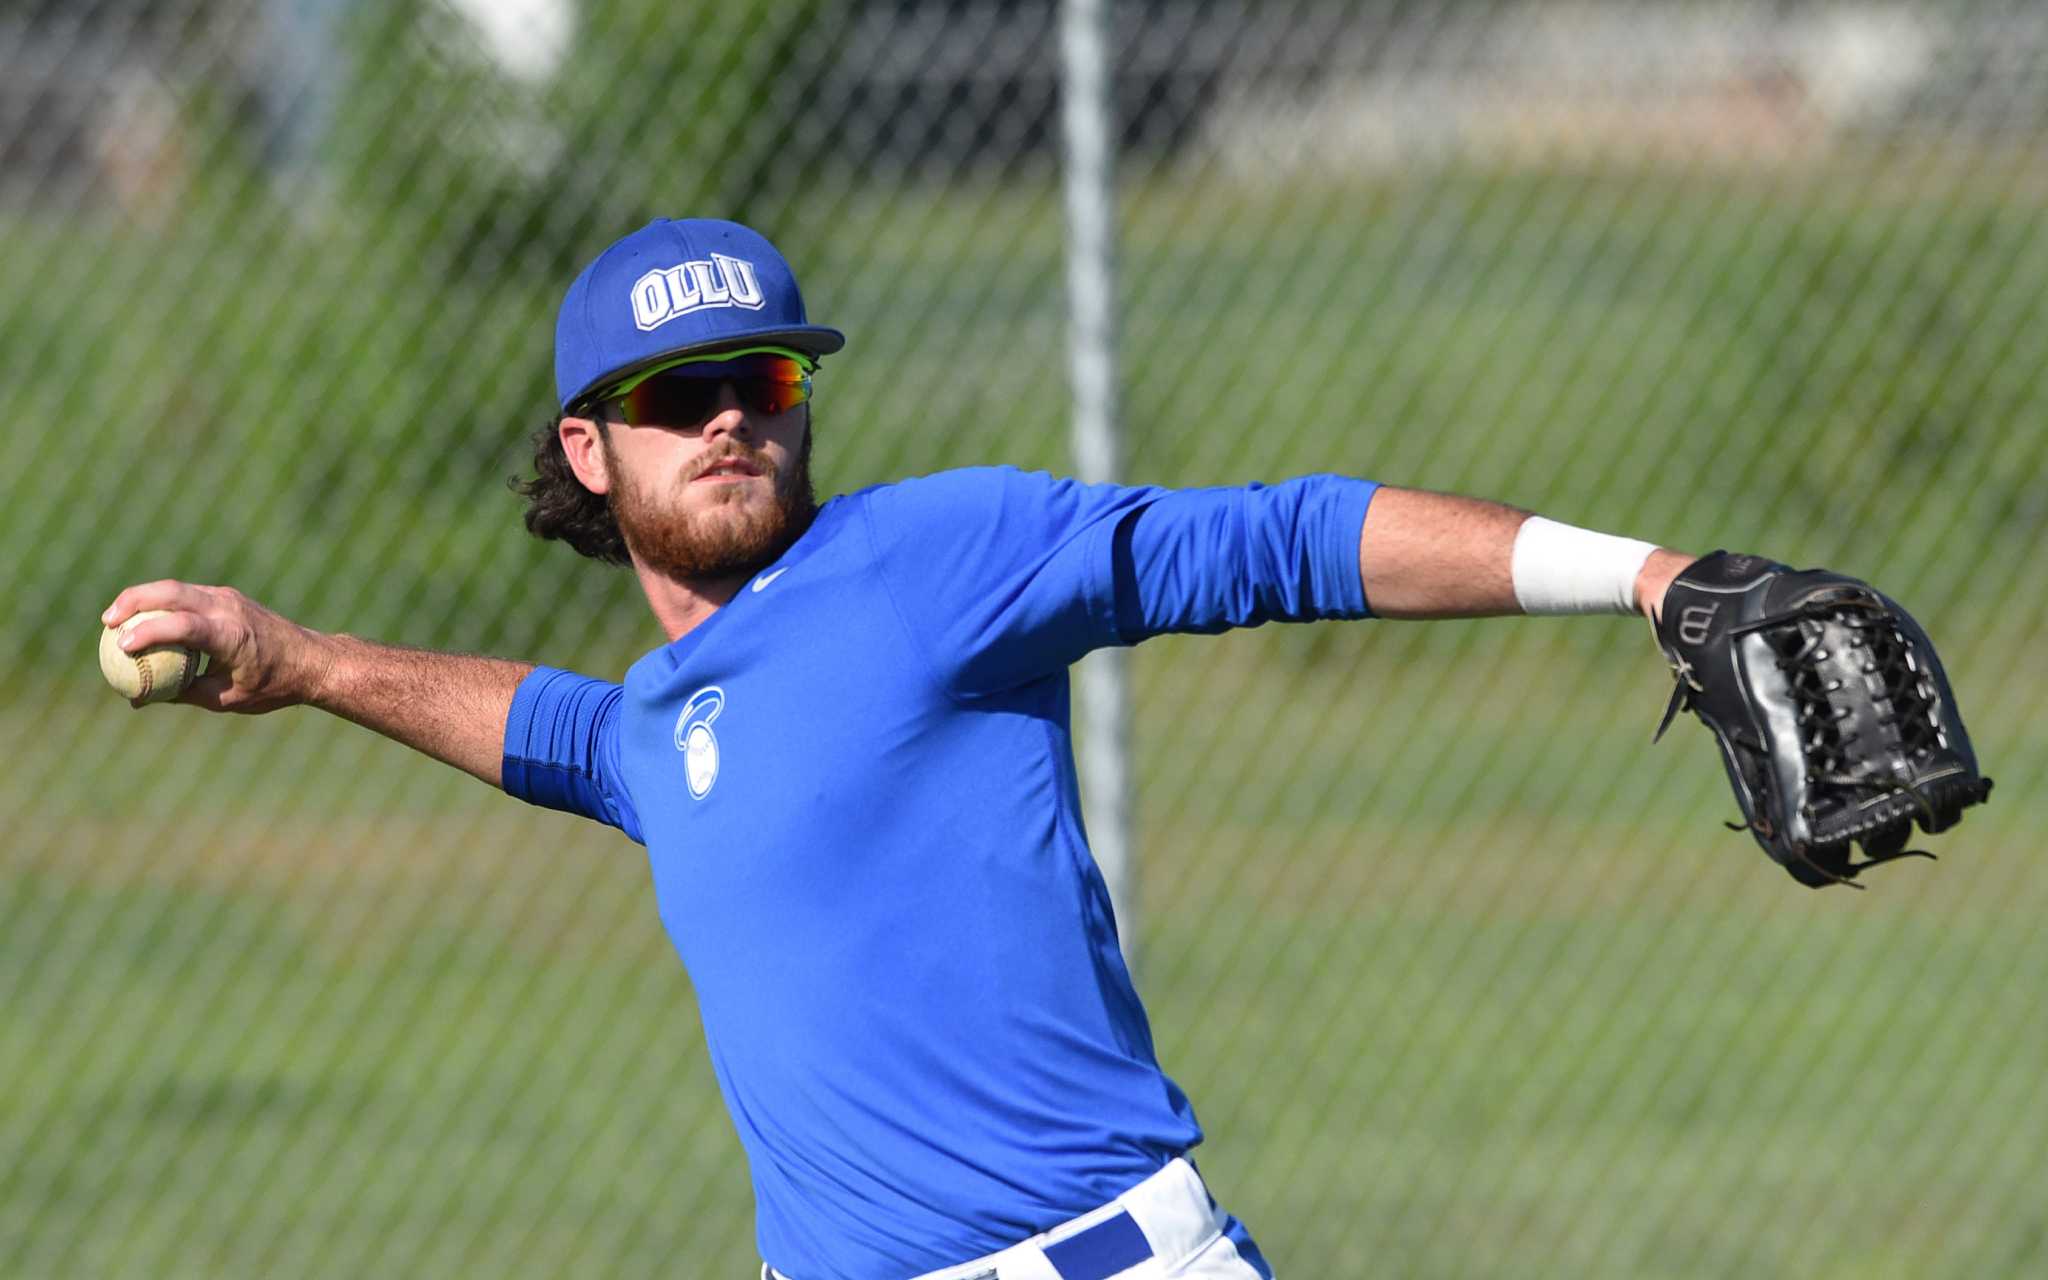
column 851, row 764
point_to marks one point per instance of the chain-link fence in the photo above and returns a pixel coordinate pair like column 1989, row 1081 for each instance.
column 1462, row 979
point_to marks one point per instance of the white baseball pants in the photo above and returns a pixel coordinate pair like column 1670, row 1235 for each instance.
column 1165, row 1228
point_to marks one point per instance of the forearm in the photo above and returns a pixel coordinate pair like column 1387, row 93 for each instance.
column 447, row 705
column 451, row 706
column 1434, row 555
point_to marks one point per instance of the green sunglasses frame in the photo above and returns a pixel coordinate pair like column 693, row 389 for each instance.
column 618, row 392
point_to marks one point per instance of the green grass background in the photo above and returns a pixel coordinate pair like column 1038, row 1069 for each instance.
column 1463, row 978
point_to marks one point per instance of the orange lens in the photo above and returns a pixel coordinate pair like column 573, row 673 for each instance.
column 688, row 395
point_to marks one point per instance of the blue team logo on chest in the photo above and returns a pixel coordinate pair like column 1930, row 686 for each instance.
column 696, row 741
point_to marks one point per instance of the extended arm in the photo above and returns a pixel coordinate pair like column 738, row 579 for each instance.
column 1434, row 555
column 449, row 706
column 1204, row 560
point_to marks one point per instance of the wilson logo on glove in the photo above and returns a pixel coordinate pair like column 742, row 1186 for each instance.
column 1696, row 623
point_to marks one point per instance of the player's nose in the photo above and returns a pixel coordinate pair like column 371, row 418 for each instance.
column 729, row 418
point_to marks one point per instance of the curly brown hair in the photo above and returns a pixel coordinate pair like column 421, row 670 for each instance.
column 559, row 507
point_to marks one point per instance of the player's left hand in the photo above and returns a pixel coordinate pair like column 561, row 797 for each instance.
column 1835, row 719
column 1654, row 580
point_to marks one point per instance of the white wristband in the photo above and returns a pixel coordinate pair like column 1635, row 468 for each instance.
column 1561, row 569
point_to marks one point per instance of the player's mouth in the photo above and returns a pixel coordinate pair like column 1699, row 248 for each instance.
column 727, row 471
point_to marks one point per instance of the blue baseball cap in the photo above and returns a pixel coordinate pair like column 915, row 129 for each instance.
column 674, row 289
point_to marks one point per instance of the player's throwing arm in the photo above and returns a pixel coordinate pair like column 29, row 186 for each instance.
column 450, row 706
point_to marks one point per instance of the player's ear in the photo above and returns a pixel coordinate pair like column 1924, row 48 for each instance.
column 583, row 445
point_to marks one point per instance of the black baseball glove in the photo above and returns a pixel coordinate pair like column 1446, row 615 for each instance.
column 1834, row 716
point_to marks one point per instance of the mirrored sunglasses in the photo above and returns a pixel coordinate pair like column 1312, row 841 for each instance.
column 689, row 395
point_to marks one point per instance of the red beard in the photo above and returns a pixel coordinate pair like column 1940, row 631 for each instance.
column 727, row 540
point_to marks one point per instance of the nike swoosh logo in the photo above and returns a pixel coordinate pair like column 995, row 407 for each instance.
column 766, row 578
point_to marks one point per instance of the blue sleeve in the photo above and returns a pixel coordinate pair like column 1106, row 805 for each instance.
column 562, row 748
column 1206, row 560
column 1003, row 576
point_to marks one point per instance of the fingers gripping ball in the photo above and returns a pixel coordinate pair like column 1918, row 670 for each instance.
column 156, row 674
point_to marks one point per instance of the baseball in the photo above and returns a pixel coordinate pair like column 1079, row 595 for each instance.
column 156, row 674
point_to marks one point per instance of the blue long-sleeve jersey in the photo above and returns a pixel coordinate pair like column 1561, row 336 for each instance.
column 855, row 784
